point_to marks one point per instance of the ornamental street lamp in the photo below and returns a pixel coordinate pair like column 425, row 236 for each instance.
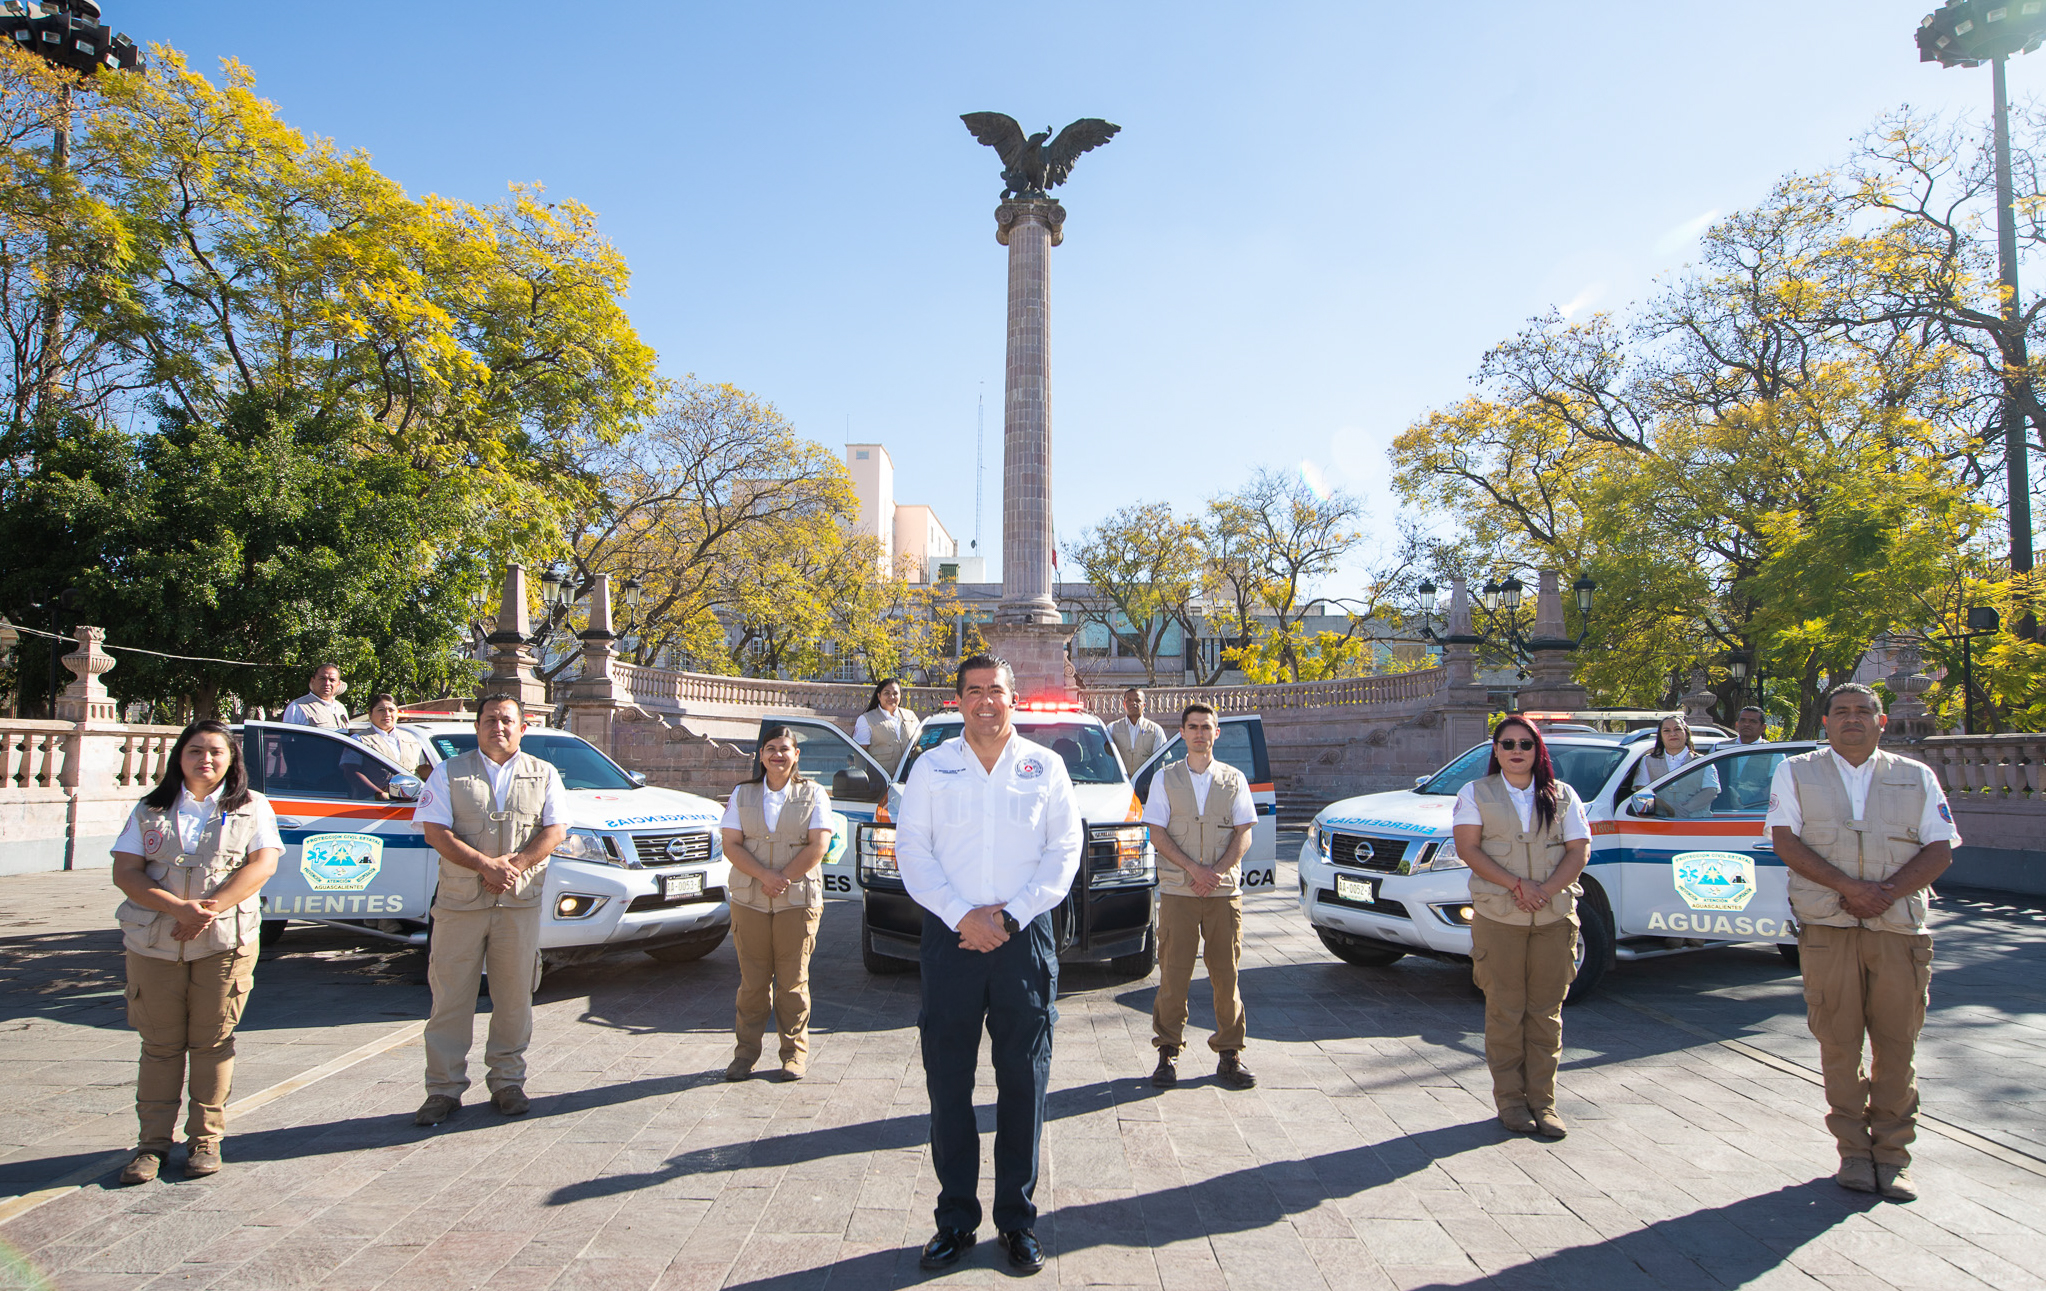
column 1501, row 601
column 1968, row 33
column 1983, row 621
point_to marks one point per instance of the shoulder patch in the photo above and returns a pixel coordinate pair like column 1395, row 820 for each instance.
column 1946, row 814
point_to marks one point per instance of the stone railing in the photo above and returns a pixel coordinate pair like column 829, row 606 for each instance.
column 66, row 787
column 32, row 755
column 662, row 690
column 1987, row 768
column 1346, row 692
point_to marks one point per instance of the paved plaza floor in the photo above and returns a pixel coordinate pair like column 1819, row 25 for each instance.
column 1366, row 1158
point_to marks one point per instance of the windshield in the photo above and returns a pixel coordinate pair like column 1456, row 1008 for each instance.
column 1584, row 767
column 1089, row 757
column 581, row 766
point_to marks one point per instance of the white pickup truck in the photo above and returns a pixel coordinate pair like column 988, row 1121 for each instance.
column 641, row 869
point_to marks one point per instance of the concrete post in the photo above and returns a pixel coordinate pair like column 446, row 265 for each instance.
column 1464, row 704
column 91, row 817
column 1550, row 686
column 513, row 665
column 595, row 696
column 1027, row 630
column 1698, row 704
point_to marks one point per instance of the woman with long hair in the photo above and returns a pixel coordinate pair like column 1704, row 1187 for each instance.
column 1674, row 749
column 1524, row 835
column 776, row 828
column 886, row 729
column 192, row 860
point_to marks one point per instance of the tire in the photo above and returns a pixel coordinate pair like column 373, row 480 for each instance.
column 691, row 948
column 1141, row 963
column 878, row 964
column 1788, row 949
column 1594, row 948
column 271, row 932
column 1361, row 951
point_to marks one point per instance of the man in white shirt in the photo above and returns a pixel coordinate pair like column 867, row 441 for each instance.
column 1751, row 726
column 1134, row 735
column 988, row 841
column 495, row 815
column 1201, row 814
column 318, row 707
column 1864, row 833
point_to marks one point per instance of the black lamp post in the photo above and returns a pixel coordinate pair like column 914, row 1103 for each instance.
column 1499, row 598
column 1983, row 621
column 1968, row 33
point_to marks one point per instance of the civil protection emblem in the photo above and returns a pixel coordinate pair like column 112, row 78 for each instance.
column 1714, row 880
column 340, row 862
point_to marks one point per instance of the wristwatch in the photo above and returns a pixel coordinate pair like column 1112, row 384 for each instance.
column 1009, row 924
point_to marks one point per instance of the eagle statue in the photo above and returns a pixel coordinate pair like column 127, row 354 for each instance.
column 1030, row 166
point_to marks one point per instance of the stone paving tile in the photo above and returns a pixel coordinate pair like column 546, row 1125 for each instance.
column 1367, row 1158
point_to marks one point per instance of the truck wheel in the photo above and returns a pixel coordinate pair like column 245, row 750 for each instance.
column 1788, row 949
column 271, row 933
column 1594, row 949
column 877, row 963
column 1141, row 963
column 691, row 948
column 1361, row 951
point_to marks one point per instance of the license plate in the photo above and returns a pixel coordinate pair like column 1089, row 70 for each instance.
column 681, row 885
column 1350, row 889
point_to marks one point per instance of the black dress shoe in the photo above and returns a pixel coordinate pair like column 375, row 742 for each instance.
column 947, row 1248
column 1025, row 1255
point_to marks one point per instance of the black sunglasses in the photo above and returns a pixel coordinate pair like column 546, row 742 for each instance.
column 1525, row 746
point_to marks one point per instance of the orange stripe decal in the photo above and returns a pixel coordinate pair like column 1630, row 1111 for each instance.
column 341, row 810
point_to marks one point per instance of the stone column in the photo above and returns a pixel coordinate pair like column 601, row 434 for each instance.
column 1465, row 706
column 94, row 811
column 595, row 696
column 1698, row 704
column 86, row 699
column 1550, row 686
column 1027, row 630
column 513, row 666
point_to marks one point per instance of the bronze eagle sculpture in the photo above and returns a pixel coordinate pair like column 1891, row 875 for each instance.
column 1031, row 166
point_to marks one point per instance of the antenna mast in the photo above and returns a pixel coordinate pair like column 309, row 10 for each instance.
column 979, row 463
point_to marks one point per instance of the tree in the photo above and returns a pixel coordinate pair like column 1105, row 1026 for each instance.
column 1146, row 565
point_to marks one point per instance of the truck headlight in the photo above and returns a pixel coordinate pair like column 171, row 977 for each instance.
column 876, row 845
column 1133, row 862
column 1445, row 857
column 587, row 845
column 572, row 905
column 1319, row 837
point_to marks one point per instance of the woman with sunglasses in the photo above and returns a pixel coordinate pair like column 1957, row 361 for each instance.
column 1524, row 834
column 194, row 856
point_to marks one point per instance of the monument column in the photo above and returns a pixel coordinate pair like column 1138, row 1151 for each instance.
column 1027, row 630
column 513, row 664
column 1550, row 685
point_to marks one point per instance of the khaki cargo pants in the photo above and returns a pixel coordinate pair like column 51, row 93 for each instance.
column 186, row 1014
column 1524, row 971
column 1860, row 982
column 507, row 940
column 774, row 964
column 1211, row 927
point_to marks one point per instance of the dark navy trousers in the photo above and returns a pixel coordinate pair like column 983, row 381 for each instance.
column 1012, row 991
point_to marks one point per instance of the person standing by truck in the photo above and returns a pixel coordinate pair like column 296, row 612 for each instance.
column 1134, row 735
column 1201, row 814
column 776, row 827
column 495, row 815
column 318, row 706
column 1864, row 833
column 192, row 862
column 886, row 729
column 1524, row 834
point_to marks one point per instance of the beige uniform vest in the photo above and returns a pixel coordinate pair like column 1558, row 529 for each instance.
column 403, row 751
column 192, row 876
column 775, row 848
column 1135, row 743
column 1524, row 853
column 1202, row 834
column 891, row 736
column 1655, row 766
column 492, row 832
column 1872, row 848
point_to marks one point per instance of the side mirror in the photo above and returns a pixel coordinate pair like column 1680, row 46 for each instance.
column 1641, row 804
column 857, row 784
column 1420, row 780
column 404, row 788
column 638, row 778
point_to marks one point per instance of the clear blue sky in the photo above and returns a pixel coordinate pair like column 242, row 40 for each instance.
column 1316, row 219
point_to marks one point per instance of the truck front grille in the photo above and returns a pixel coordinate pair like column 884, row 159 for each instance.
column 1359, row 851
column 655, row 849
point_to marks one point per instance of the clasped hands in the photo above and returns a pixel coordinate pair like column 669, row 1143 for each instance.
column 499, row 873
column 1529, row 895
column 194, row 917
column 1865, row 900
column 981, row 929
column 1203, row 879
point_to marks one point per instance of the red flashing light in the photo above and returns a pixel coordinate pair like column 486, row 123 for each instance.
column 1049, row 706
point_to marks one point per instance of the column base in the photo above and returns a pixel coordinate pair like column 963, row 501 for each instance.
column 1037, row 653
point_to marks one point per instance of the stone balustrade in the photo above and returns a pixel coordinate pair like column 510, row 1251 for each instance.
column 1344, row 692
column 31, row 755
column 662, row 690
column 1982, row 768
column 66, row 787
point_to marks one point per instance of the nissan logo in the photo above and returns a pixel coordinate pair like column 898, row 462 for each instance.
column 678, row 848
column 1364, row 851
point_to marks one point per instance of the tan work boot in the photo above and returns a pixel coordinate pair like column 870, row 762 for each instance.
column 1165, row 1075
column 1517, row 1119
column 143, row 1167
column 1895, row 1182
column 1857, row 1174
column 792, row 1069
column 1549, row 1125
column 436, row 1108
column 203, row 1159
column 740, row 1069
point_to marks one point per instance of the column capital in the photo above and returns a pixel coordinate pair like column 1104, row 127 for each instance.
column 1045, row 211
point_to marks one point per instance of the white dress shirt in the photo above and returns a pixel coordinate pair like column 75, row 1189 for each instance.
column 436, row 808
column 771, row 803
column 310, row 710
column 969, row 837
column 1935, row 823
column 192, row 816
column 1575, row 824
column 1158, row 805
